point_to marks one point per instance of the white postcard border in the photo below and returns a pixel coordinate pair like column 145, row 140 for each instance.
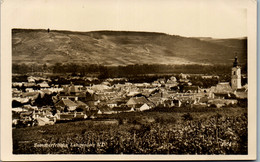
column 8, row 11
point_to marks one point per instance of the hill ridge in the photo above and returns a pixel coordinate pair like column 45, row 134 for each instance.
column 108, row 47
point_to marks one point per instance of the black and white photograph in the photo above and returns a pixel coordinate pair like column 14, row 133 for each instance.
column 127, row 78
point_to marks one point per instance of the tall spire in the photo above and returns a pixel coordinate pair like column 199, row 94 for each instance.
column 235, row 64
column 236, row 75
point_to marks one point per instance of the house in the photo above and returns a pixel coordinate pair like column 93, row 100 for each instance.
column 92, row 104
column 29, row 107
column 142, row 85
column 151, row 104
column 159, row 97
column 76, row 89
column 30, row 79
column 29, row 90
column 167, row 103
column 29, row 84
column 241, row 96
column 99, row 87
column 176, row 103
column 122, row 109
column 121, row 101
column 190, row 89
column 26, row 117
column 156, row 84
column 55, row 88
column 184, row 80
column 19, row 109
column 46, row 91
column 79, row 116
column 199, row 105
column 186, row 101
column 171, row 83
column 30, row 95
column 133, row 93
column 149, row 91
column 41, row 121
column 72, row 90
column 81, row 97
column 112, row 103
column 161, row 94
column 92, row 112
column 209, row 77
column 81, row 104
column 44, row 84
column 132, row 102
column 66, row 105
column 223, row 87
column 17, row 84
column 104, row 110
column 45, row 111
column 173, row 79
column 161, row 80
column 222, row 102
column 175, row 89
column 21, row 100
column 142, row 107
column 70, row 116
column 64, row 116
column 203, row 100
column 99, row 97
column 240, row 93
column 183, row 76
column 222, row 95
column 16, row 92
column 204, row 90
column 155, row 100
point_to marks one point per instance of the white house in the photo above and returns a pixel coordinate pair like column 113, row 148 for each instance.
column 143, row 107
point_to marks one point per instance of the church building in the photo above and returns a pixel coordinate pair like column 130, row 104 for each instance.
column 236, row 76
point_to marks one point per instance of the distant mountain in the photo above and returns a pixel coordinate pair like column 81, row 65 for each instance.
column 122, row 48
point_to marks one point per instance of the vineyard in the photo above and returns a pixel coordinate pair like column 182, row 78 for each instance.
column 204, row 131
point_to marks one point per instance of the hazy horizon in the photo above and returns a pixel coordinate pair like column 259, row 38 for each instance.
column 197, row 18
column 134, row 31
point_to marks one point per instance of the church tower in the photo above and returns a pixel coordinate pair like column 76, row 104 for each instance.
column 236, row 75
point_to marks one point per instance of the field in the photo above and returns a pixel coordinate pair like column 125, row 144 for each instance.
column 160, row 131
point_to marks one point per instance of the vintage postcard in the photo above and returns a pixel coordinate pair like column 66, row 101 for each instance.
column 128, row 80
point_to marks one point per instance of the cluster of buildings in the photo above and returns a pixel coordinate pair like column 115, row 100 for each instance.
column 76, row 102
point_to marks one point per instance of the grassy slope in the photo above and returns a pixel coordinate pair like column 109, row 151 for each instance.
column 121, row 48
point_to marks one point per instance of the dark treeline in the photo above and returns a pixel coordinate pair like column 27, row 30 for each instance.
column 122, row 71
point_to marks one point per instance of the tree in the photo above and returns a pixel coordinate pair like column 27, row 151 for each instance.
column 44, row 68
column 16, row 104
column 45, row 100
column 57, row 68
column 80, row 108
column 103, row 73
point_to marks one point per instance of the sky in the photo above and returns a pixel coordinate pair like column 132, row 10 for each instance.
column 190, row 18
